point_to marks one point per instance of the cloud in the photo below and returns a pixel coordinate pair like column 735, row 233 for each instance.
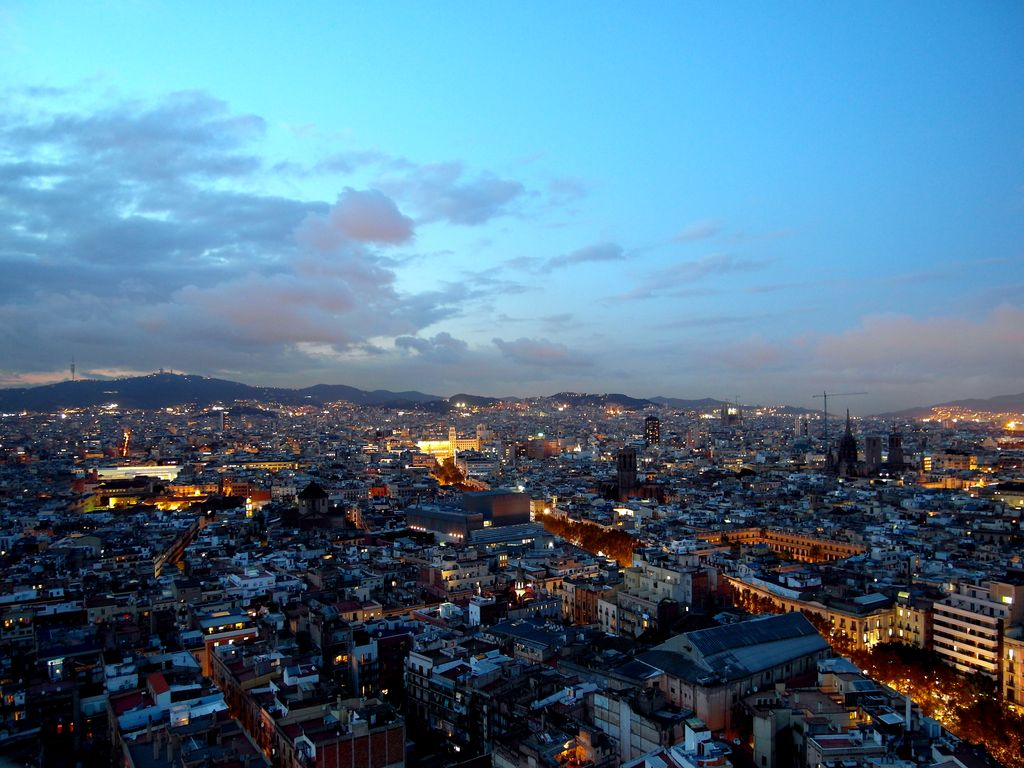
column 347, row 162
column 539, row 352
column 716, row 264
column 591, row 253
column 442, row 346
column 367, row 216
column 566, row 190
column 698, row 230
column 186, row 135
column 675, row 279
column 916, row 349
column 752, row 355
column 558, row 319
column 776, row 287
column 441, row 192
column 137, row 234
column 32, row 379
column 528, row 263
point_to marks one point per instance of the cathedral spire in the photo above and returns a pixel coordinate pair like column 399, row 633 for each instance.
column 846, row 460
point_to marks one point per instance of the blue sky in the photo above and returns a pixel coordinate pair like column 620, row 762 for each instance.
column 753, row 199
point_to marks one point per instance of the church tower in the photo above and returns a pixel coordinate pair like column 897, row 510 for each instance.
column 846, row 459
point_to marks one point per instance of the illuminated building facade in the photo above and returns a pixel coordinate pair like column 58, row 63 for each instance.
column 913, row 621
column 950, row 461
column 1013, row 667
column 808, row 549
column 731, row 415
column 161, row 471
column 861, row 626
column 968, row 625
column 446, row 449
column 652, row 430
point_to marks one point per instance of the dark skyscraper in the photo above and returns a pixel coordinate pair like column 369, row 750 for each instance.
column 873, row 451
column 626, row 466
column 652, row 430
column 896, row 449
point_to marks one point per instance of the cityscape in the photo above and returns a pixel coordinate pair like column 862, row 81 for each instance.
column 530, row 386
column 570, row 580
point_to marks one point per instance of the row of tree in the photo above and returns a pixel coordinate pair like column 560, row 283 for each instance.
column 967, row 705
column 618, row 545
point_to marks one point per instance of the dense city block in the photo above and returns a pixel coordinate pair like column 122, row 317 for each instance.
column 562, row 581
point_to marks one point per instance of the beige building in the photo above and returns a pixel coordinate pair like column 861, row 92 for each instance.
column 1013, row 667
column 862, row 628
column 968, row 625
column 649, row 582
column 912, row 621
column 446, row 449
column 808, row 549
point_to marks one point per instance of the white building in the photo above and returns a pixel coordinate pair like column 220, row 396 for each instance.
column 968, row 625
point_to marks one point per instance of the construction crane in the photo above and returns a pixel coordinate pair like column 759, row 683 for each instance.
column 825, row 396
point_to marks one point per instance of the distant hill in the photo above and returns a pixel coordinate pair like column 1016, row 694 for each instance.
column 687, row 405
column 583, row 398
column 710, row 403
column 478, row 401
column 997, row 404
column 162, row 390
column 330, row 392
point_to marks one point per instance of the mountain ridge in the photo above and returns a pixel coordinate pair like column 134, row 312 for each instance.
column 996, row 404
column 161, row 390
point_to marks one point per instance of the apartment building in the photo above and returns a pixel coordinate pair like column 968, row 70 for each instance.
column 1013, row 667
column 655, row 590
column 968, row 625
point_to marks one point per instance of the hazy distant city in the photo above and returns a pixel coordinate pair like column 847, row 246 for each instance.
column 629, row 385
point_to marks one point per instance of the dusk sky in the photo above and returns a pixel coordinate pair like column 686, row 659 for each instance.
column 753, row 200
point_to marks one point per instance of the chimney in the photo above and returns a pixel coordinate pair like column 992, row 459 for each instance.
column 907, row 715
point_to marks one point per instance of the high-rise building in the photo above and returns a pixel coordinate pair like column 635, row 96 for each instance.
column 652, row 430
column 626, row 471
column 225, row 421
column 969, row 624
column 896, row 449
